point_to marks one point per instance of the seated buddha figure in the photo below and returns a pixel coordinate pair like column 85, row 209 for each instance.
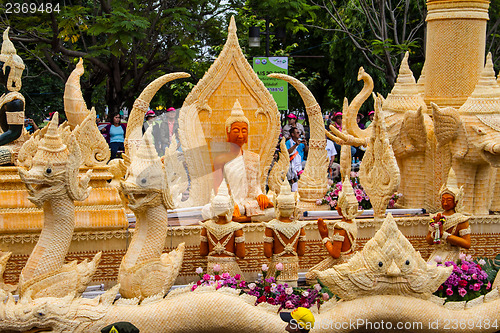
column 284, row 237
column 340, row 246
column 221, row 239
column 241, row 170
column 12, row 102
column 449, row 230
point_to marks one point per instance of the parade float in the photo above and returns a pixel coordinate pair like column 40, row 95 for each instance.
column 437, row 141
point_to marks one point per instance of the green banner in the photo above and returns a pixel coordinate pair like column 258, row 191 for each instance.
column 278, row 88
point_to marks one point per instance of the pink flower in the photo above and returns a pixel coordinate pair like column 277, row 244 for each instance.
column 317, row 286
column 449, row 292
column 216, row 268
column 391, row 203
column 265, row 268
column 193, row 288
column 318, row 202
column 488, row 286
column 328, row 199
column 358, row 192
column 464, row 267
column 462, row 292
column 199, row 270
column 289, row 291
column 330, row 182
column 289, row 305
column 461, row 256
column 468, row 257
column 359, row 198
column 474, row 276
column 476, row 287
column 218, row 286
column 252, row 286
column 438, row 259
column 226, row 275
column 332, row 204
column 206, row 277
column 237, row 277
column 305, row 293
column 325, row 297
column 279, row 266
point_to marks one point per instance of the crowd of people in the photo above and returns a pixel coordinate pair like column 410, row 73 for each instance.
column 297, row 137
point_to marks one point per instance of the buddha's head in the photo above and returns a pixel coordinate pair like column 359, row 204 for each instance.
column 237, row 126
column 12, row 65
column 451, row 194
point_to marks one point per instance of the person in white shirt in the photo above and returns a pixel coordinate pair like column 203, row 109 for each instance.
column 333, row 168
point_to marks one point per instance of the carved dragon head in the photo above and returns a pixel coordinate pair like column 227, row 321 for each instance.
column 54, row 166
column 387, row 265
column 146, row 182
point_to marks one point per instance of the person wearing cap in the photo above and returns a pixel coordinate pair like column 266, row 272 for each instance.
column 150, row 117
column 299, row 320
column 165, row 129
column 292, row 122
column 371, row 114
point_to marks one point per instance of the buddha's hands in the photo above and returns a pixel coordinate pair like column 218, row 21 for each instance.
column 264, row 201
column 322, row 228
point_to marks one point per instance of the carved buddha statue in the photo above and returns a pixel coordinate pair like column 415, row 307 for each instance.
column 11, row 103
column 221, row 239
column 241, row 169
column 284, row 237
column 341, row 244
column 449, row 230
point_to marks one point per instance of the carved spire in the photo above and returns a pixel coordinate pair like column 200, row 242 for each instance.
column 404, row 95
column 421, row 82
column 74, row 104
column 10, row 59
column 486, row 96
column 222, row 203
column 347, row 200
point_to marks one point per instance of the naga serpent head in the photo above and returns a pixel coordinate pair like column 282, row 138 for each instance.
column 145, row 182
column 47, row 176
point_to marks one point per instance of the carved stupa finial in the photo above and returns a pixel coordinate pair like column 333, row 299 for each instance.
column 486, row 96
column 51, row 141
column 404, row 95
column 421, row 82
column 347, row 200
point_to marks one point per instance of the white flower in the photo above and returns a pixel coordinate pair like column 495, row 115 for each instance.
column 481, row 262
column 438, row 259
column 317, row 286
column 318, row 202
column 252, row 286
column 279, row 266
column 273, row 287
column 265, row 268
column 468, row 258
column 305, row 293
column 461, row 256
column 199, row 270
column 289, row 290
column 216, row 268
